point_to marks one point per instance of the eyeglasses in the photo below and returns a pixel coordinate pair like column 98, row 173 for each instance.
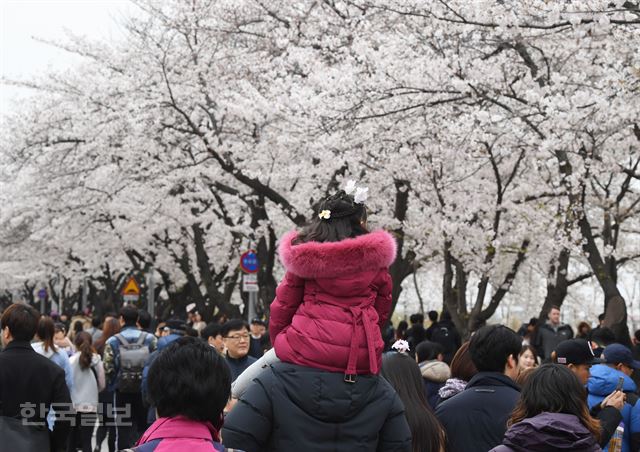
column 237, row 337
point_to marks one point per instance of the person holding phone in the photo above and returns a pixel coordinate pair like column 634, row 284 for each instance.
column 578, row 356
column 614, row 375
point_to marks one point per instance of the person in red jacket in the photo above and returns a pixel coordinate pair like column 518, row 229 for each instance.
column 335, row 296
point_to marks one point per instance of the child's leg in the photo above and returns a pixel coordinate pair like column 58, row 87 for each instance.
column 243, row 381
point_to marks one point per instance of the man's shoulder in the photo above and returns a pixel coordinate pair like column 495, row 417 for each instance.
column 30, row 361
column 130, row 334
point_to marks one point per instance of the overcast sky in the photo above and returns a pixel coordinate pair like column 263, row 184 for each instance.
column 22, row 57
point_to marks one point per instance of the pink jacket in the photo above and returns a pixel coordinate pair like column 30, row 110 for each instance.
column 332, row 302
column 168, row 434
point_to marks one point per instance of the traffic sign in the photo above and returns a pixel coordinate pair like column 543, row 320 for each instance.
column 131, row 290
column 42, row 294
column 250, row 283
column 249, row 262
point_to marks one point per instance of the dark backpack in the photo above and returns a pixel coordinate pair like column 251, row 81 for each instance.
column 133, row 355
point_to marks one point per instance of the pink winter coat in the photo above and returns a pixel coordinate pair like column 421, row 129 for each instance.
column 332, row 302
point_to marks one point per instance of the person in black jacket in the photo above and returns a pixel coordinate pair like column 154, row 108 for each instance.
column 416, row 332
column 551, row 333
column 292, row 408
column 476, row 419
column 28, row 379
column 445, row 334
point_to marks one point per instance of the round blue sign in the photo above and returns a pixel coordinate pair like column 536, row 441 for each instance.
column 249, row 262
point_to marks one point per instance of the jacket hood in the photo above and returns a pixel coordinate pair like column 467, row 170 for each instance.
column 604, row 379
column 436, row 371
column 550, row 431
column 325, row 395
column 367, row 252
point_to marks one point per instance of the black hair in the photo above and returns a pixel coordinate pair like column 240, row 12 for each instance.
column 416, row 318
column 22, row 321
column 233, row 325
column 403, row 374
column 491, row 347
column 129, row 314
column 347, row 220
column 554, row 388
column 78, row 326
column 533, row 321
column 446, row 315
column 189, row 378
column 144, row 319
column 427, row 351
column 96, row 322
column 211, row 330
column 433, row 316
column 401, row 331
column 601, row 317
column 637, row 335
column 59, row 326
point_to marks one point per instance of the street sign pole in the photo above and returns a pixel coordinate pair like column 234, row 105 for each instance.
column 42, row 295
column 151, row 302
column 250, row 266
column 253, row 301
column 85, row 294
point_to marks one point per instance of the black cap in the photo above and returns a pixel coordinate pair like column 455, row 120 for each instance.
column 258, row 321
column 576, row 351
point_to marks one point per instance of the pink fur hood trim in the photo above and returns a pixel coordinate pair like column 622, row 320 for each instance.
column 366, row 252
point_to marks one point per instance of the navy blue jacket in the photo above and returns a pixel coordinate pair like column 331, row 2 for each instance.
column 237, row 366
column 476, row 419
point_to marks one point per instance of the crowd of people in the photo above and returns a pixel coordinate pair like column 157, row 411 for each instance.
column 331, row 373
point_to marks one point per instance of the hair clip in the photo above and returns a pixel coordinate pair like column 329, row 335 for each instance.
column 325, row 215
column 400, row 346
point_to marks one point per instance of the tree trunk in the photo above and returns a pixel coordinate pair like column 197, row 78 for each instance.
column 403, row 266
column 557, row 284
column 616, row 317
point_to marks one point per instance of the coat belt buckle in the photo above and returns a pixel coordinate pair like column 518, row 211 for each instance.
column 350, row 378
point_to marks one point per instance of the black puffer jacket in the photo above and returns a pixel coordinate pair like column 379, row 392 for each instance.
column 295, row 408
column 475, row 419
column 548, row 338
